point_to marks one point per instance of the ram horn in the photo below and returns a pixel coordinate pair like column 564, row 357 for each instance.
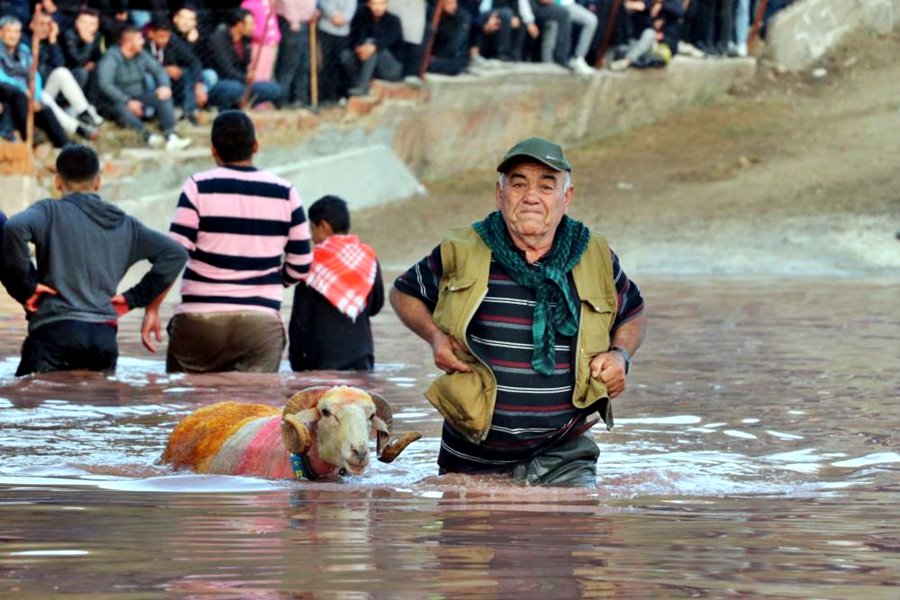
column 386, row 446
column 300, row 410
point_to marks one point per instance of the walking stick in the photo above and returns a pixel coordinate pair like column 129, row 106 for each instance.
column 757, row 24
column 32, row 77
column 429, row 47
column 607, row 35
column 313, row 64
column 251, row 74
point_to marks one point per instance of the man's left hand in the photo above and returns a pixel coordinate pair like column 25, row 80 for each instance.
column 120, row 304
column 151, row 326
column 609, row 369
column 163, row 92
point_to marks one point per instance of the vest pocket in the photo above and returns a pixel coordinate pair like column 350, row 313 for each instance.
column 596, row 319
column 463, row 399
column 453, row 299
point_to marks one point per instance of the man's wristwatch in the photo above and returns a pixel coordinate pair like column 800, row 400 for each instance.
column 625, row 355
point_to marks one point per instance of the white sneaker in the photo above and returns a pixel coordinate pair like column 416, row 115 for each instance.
column 580, row 66
column 173, row 142
column 619, row 65
column 154, row 140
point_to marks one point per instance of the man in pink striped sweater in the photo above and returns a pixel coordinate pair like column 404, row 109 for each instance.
column 248, row 239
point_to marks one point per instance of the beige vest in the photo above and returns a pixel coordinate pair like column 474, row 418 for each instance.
column 466, row 400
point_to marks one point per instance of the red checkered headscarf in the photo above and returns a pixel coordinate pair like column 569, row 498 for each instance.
column 343, row 270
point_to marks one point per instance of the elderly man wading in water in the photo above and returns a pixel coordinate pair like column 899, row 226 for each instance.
column 534, row 324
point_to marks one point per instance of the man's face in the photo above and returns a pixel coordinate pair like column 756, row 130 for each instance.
column 450, row 7
column 133, row 42
column 249, row 25
column 185, row 20
column 533, row 200
column 87, row 26
column 160, row 37
column 11, row 33
column 378, row 7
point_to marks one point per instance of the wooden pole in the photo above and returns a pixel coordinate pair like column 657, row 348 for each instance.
column 429, row 47
column 607, row 35
column 251, row 74
column 32, row 75
column 313, row 64
column 757, row 24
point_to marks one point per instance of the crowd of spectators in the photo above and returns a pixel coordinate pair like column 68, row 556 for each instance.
column 145, row 64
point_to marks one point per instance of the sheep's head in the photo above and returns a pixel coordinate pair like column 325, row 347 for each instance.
column 334, row 424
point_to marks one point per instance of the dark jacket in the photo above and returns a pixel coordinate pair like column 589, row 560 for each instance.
column 220, row 55
column 178, row 53
column 77, row 52
column 386, row 33
column 322, row 338
column 452, row 37
column 84, row 246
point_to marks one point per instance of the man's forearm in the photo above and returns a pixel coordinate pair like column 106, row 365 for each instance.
column 630, row 335
column 414, row 314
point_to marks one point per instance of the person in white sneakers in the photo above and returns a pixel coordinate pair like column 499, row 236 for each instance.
column 126, row 96
column 588, row 21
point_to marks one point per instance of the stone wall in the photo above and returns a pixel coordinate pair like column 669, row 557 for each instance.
column 802, row 33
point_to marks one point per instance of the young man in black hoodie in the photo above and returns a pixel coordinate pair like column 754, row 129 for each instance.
column 330, row 327
column 376, row 45
column 84, row 246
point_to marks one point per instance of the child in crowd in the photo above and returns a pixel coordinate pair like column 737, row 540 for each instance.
column 329, row 327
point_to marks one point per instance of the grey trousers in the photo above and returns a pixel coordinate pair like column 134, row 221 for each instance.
column 572, row 463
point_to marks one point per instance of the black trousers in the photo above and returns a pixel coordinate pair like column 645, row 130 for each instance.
column 70, row 345
column 16, row 102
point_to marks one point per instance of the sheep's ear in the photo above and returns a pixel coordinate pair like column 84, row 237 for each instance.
column 294, row 431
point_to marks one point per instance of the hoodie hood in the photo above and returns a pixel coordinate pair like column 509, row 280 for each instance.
column 103, row 213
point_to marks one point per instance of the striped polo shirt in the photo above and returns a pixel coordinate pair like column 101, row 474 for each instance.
column 532, row 409
column 247, row 236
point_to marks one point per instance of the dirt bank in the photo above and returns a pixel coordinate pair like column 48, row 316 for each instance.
column 792, row 175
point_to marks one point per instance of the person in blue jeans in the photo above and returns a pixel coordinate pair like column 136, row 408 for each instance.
column 227, row 72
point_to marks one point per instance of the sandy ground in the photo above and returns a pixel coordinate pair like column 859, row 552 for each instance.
column 791, row 175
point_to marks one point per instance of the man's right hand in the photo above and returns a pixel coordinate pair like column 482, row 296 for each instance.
column 135, row 107
column 151, row 326
column 174, row 72
column 445, row 350
column 31, row 305
column 337, row 18
column 533, row 30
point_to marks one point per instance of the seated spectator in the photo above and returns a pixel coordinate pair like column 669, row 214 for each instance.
column 502, row 31
column 329, row 326
column 134, row 88
column 185, row 21
column 412, row 20
column 555, row 26
column 59, row 82
column 656, row 29
column 266, row 36
column 376, row 45
column 181, row 65
column 587, row 21
column 227, row 65
column 15, row 65
column 334, row 38
column 292, row 66
column 81, row 49
column 449, row 55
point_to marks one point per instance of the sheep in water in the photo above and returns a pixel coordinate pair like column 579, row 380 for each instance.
column 322, row 431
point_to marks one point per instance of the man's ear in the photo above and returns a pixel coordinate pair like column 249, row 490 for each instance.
column 255, row 146
column 58, row 183
column 215, row 155
column 95, row 186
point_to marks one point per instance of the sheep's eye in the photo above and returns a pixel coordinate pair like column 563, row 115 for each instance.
column 372, row 416
column 326, row 412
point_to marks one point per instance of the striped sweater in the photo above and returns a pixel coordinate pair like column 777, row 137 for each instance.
column 247, row 236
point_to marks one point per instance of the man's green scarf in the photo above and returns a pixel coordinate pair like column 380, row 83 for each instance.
column 556, row 308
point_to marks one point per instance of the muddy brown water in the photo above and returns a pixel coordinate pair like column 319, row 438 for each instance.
column 755, row 453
